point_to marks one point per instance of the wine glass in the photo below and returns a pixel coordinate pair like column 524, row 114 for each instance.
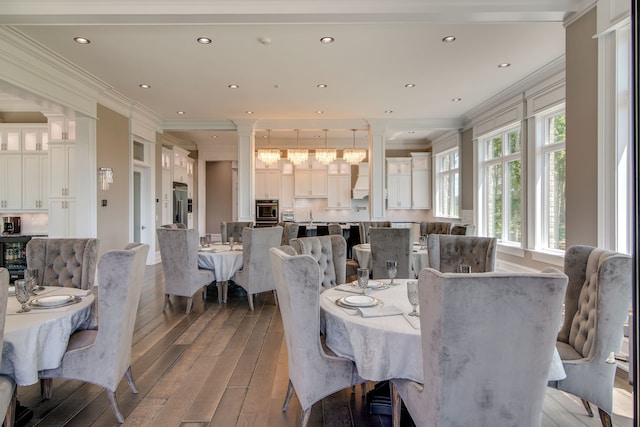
column 423, row 242
column 31, row 274
column 392, row 270
column 231, row 240
column 23, row 295
column 363, row 279
column 412, row 294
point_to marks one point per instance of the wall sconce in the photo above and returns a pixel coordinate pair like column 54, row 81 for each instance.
column 105, row 178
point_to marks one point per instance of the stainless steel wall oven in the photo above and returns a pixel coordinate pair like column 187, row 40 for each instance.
column 267, row 214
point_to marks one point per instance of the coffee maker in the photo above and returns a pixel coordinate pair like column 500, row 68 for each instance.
column 11, row 225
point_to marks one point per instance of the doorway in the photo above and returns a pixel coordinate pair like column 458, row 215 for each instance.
column 141, row 220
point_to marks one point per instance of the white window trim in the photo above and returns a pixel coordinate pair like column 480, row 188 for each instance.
column 437, row 177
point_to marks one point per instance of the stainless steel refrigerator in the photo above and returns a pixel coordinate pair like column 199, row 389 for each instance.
column 180, row 203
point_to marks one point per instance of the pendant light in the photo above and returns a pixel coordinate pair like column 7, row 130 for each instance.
column 269, row 155
column 354, row 155
column 325, row 155
column 297, row 155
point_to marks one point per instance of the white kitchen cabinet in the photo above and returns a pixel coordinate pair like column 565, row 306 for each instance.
column 166, row 202
column 267, row 184
column 35, row 139
column 10, row 182
column 310, row 183
column 62, row 217
column 179, row 166
column 286, row 191
column 62, row 129
column 62, row 167
column 10, row 139
column 421, row 180
column 399, row 183
column 35, row 177
column 339, row 191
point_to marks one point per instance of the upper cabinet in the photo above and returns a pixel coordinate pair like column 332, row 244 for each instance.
column 267, row 184
column 62, row 129
column 398, row 183
column 35, row 139
column 10, row 182
column 10, row 139
column 180, row 165
column 339, row 185
column 310, row 180
column 421, row 180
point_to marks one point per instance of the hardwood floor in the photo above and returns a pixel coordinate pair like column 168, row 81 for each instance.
column 223, row 365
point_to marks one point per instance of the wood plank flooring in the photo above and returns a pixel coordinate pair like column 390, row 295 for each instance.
column 223, row 365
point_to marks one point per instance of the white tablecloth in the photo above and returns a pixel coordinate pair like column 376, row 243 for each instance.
column 222, row 260
column 362, row 254
column 383, row 347
column 37, row 340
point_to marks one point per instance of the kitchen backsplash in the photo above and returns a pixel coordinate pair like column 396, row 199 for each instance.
column 32, row 223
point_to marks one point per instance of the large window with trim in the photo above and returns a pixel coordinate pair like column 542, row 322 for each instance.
column 500, row 155
column 447, row 183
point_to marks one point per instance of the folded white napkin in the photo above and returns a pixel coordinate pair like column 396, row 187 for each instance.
column 379, row 310
column 413, row 320
column 348, row 288
column 82, row 292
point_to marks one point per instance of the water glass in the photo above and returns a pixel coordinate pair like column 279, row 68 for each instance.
column 412, row 294
column 423, row 242
column 464, row 268
column 231, row 240
column 22, row 294
column 392, row 270
column 363, row 279
column 31, row 275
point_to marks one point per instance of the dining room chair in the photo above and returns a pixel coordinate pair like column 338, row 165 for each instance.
column 69, row 262
column 435, row 227
column 447, row 252
column 366, row 225
column 179, row 255
column 463, row 230
column 102, row 356
column 330, row 253
column 596, row 306
column 391, row 244
column 8, row 388
column 233, row 229
column 487, row 345
column 255, row 275
column 335, row 229
column 289, row 231
column 314, row 372
column 174, row 225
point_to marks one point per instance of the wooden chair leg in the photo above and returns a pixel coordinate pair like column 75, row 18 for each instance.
column 225, row 291
column 219, row 286
column 304, row 418
column 189, row 304
column 275, row 296
column 10, row 416
column 605, row 418
column 287, row 397
column 587, row 406
column 45, row 387
column 250, row 299
column 129, row 376
column 114, row 406
column 396, row 406
column 167, row 302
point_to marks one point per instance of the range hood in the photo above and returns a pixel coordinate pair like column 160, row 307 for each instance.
column 361, row 188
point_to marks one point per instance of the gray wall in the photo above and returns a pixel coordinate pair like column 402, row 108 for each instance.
column 218, row 195
column 466, row 170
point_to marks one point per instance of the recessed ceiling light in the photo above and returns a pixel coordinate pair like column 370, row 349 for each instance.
column 204, row 40
column 81, row 40
column 145, row 86
column 388, row 111
column 321, row 85
column 448, row 39
column 214, row 136
column 327, row 40
column 410, row 85
column 411, row 132
column 504, row 65
column 249, row 112
column 233, row 86
column 319, row 112
column 456, row 99
column 180, row 112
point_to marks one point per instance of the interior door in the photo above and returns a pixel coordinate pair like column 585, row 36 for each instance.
column 141, row 209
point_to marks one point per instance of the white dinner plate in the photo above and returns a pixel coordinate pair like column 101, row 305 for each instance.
column 373, row 284
column 52, row 301
column 354, row 301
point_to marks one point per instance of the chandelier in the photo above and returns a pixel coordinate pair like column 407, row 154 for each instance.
column 297, row 155
column 325, row 155
column 354, row 155
column 269, row 156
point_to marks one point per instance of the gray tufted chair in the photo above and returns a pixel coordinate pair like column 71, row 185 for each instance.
column 435, row 227
column 174, row 225
column 335, row 229
column 366, row 225
column 103, row 356
column 447, row 252
column 233, row 229
column 8, row 389
column 179, row 253
column 487, row 345
column 596, row 306
column 313, row 372
column 289, row 231
column 463, row 230
column 391, row 244
column 330, row 252
column 255, row 275
column 64, row 262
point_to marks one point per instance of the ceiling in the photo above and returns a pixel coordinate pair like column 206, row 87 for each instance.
column 272, row 51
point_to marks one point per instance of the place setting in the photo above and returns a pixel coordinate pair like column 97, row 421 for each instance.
column 363, row 303
column 30, row 295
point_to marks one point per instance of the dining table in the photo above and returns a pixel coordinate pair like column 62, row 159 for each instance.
column 420, row 260
column 383, row 341
column 224, row 260
column 37, row 339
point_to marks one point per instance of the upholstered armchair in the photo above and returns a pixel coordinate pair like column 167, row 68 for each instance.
column 174, row 225
column 335, row 229
column 366, row 225
column 8, row 389
column 233, row 229
column 289, row 231
column 596, row 306
column 463, row 230
column 487, row 343
column 447, row 252
column 313, row 373
column 435, row 227
column 179, row 254
column 391, row 244
column 256, row 275
column 330, row 253
column 65, row 262
column 103, row 356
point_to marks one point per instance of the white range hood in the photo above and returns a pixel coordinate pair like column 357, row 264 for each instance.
column 361, row 188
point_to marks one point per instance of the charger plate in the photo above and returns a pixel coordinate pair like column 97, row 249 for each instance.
column 356, row 301
column 54, row 301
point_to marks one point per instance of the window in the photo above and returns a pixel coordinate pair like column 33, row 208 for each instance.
column 500, row 155
column 447, row 184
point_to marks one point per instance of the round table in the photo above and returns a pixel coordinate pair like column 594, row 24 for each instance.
column 37, row 340
column 224, row 262
column 362, row 254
